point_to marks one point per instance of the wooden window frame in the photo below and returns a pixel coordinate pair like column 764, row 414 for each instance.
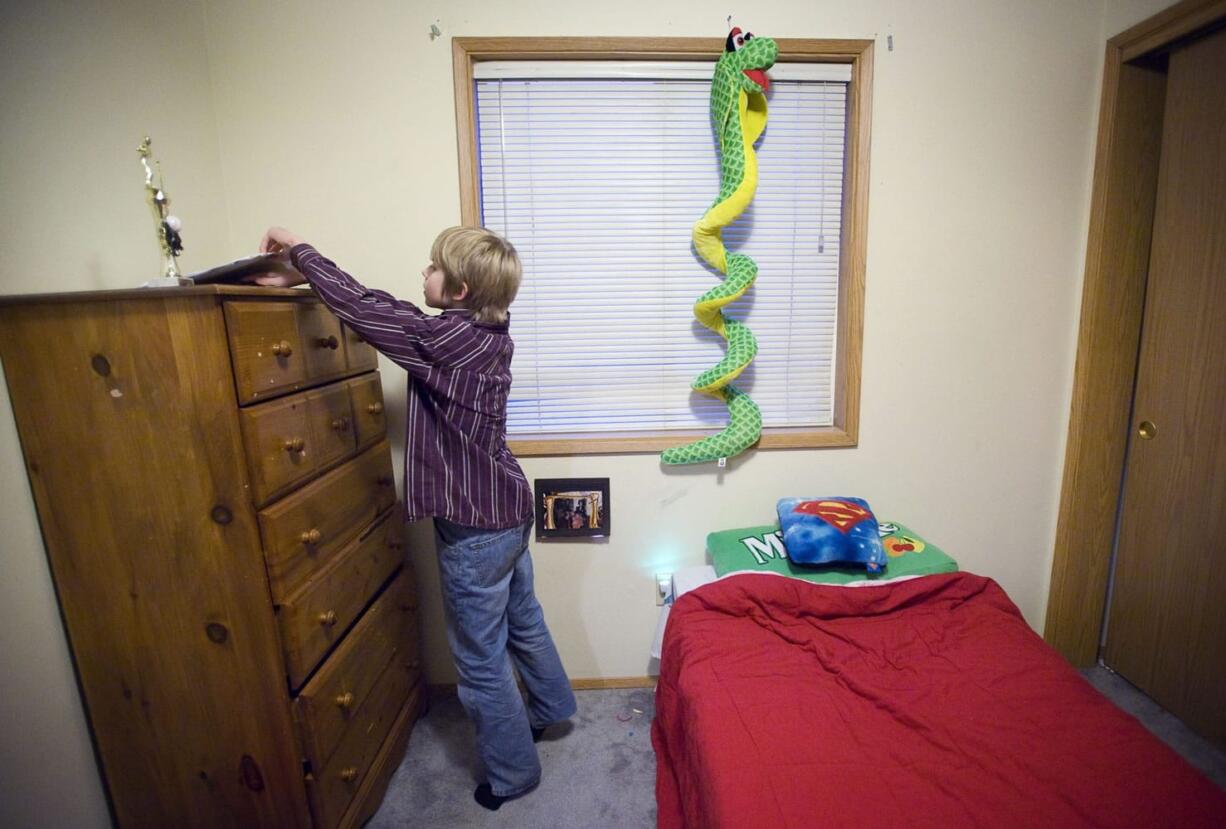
column 468, row 51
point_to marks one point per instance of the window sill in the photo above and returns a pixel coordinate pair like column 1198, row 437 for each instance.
column 822, row 437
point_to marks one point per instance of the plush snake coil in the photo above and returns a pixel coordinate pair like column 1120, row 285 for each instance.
column 738, row 110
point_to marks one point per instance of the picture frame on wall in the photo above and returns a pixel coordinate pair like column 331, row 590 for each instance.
column 572, row 508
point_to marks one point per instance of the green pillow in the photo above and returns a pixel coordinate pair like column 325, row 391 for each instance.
column 761, row 549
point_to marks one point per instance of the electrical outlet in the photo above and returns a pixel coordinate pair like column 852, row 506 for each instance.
column 664, row 588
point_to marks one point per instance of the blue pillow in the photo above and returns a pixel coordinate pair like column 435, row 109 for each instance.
column 831, row 531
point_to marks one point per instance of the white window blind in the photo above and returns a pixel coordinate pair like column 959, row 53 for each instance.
column 597, row 173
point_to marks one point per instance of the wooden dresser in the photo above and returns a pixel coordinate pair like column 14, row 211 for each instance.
column 215, row 490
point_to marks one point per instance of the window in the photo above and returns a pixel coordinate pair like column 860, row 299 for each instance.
column 597, row 169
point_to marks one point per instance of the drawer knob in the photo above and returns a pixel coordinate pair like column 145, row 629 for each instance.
column 341, row 424
column 327, row 618
column 349, row 775
column 294, row 444
column 375, row 408
column 311, row 536
column 328, row 342
column 345, row 700
column 282, row 349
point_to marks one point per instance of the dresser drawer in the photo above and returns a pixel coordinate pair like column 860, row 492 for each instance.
column 292, row 438
column 315, row 617
column 265, row 349
column 303, row 531
column 322, row 341
column 377, row 665
column 279, row 347
column 279, row 446
column 387, row 635
column 333, row 427
column 369, row 418
column 359, row 354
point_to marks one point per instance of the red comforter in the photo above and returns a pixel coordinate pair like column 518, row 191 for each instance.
column 927, row 702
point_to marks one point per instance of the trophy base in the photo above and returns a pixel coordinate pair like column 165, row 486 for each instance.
column 167, row 282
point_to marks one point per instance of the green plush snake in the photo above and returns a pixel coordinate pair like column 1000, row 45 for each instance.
column 738, row 109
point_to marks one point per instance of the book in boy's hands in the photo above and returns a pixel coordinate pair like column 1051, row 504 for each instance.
column 240, row 270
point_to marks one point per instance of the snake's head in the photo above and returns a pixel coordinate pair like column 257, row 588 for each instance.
column 747, row 58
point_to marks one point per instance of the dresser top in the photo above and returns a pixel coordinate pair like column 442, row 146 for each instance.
column 128, row 294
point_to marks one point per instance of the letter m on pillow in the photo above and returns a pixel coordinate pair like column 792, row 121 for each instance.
column 766, row 547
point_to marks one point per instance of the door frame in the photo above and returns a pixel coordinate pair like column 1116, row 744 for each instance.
column 1112, row 306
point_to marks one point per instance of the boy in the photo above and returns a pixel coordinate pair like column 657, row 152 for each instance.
column 459, row 471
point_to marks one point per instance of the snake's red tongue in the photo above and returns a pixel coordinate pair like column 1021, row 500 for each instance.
column 758, row 77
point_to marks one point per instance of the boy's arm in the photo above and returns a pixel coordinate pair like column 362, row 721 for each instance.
column 395, row 327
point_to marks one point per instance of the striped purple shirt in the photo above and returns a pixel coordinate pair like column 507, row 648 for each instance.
column 457, row 465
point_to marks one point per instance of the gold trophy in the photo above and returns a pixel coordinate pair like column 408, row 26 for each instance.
column 168, row 225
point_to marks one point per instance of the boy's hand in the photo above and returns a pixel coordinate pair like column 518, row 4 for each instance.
column 284, row 279
column 279, row 240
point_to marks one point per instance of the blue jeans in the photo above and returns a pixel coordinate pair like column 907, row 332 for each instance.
column 493, row 617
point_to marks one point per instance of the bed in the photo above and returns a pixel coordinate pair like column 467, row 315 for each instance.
column 925, row 701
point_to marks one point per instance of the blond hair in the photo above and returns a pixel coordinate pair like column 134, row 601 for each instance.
column 485, row 262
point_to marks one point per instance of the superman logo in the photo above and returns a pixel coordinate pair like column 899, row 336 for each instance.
column 842, row 515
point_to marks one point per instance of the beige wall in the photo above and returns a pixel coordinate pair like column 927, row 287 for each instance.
column 1119, row 15
column 983, row 117
column 80, row 84
column 341, row 126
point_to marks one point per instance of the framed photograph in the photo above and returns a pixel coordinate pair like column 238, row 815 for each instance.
column 571, row 507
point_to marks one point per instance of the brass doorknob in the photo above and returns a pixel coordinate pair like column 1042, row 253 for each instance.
column 345, row 700
column 327, row 618
column 375, row 408
column 349, row 774
column 311, row 536
column 282, row 349
column 1147, row 430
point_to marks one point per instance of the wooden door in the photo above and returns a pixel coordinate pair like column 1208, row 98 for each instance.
column 1166, row 627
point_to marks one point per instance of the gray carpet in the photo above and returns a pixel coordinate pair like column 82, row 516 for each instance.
column 600, row 773
column 1163, row 724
